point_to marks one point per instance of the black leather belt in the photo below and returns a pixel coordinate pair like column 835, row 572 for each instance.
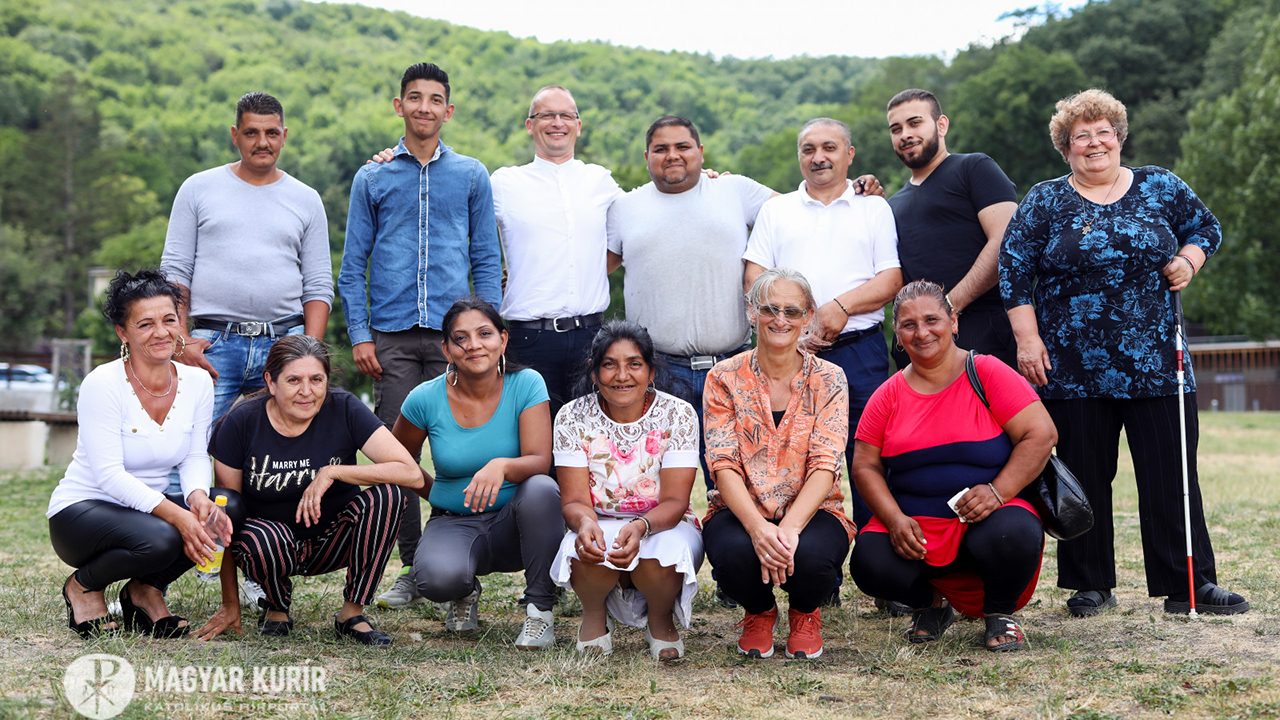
column 560, row 324
column 251, row 328
column 701, row 362
column 852, row 337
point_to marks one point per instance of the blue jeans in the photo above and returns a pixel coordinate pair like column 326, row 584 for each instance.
column 866, row 365
column 239, row 360
column 688, row 385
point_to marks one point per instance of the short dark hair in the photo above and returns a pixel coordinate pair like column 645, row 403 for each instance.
column 126, row 289
column 483, row 307
column 258, row 103
column 425, row 71
column 935, row 108
column 671, row 121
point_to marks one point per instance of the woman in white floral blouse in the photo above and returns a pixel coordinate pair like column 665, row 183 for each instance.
column 625, row 457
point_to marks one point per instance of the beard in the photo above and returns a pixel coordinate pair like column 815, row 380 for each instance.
column 928, row 150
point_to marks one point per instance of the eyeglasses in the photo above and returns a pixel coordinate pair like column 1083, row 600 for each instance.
column 1083, row 139
column 773, row 311
column 549, row 116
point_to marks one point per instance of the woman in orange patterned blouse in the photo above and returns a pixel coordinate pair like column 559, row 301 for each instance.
column 776, row 422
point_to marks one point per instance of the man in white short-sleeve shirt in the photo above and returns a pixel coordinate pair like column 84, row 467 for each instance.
column 551, row 218
column 846, row 246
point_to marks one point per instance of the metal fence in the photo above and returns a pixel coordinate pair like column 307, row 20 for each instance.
column 1237, row 376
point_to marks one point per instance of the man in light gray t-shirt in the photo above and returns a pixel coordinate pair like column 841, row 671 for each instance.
column 681, row 239
column 250, row 244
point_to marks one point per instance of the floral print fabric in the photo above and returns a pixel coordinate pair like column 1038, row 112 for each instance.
column 625, row 460
column 1104, row 309
column 774, row 460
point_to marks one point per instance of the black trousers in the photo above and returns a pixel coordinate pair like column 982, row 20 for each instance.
column 1088, row 442
column 107, row 542
column 819, row 562
column 1003, row 550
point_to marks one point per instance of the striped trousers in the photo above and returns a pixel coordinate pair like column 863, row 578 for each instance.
column 360, row 539
column 1088, row 442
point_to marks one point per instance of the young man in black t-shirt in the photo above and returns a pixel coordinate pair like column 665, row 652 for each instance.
column 951, row 217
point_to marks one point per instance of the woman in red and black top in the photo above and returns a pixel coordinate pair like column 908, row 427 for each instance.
column 926, row 437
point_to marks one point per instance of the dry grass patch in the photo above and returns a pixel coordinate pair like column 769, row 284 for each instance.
column 1134, row 662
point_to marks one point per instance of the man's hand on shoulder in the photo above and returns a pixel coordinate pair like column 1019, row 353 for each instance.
column 382, row 157
column 867, row 185
column 193, row 355
column 367, row 360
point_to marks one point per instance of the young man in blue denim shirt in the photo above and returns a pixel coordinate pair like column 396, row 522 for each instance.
column 417, row 225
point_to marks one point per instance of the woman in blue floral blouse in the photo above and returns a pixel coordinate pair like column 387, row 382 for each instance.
column 1087, row 267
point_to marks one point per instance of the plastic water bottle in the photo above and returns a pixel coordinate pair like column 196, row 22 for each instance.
column 208, row 572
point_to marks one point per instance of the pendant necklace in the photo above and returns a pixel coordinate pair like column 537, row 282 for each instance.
column 1097, row 210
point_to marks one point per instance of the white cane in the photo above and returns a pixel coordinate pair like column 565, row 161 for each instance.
column 1179, row 343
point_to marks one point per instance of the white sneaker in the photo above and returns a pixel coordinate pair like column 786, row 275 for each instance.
column 250, row 594
column 539, row 631
column 404, row 591
column 463, row 614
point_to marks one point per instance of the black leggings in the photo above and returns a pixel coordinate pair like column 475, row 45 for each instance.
column 1003, row 551
column 819, row 560
column 107, row 542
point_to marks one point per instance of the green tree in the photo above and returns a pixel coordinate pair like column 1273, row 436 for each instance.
column 29, row 286
column 1231, row 157
column 1004, row 112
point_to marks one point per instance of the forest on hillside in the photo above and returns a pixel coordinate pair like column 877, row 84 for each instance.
column 106, row 107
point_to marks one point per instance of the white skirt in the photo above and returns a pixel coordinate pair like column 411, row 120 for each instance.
column 680, row 547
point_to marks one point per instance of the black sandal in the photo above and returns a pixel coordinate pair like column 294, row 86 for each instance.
column 932, row 621
column 88, row 628
column 1004, row 626
column 274, row 628
column 135, row 618
column 373, row 637
column 1210, row 599
column 1087, row 603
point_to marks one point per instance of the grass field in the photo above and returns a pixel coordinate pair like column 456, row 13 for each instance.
column 1134, row 662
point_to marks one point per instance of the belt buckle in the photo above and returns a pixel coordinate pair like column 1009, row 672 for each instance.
column 252, row 328
column 555, row 324
column 701, row 362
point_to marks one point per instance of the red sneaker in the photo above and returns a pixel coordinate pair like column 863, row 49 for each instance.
column 805, row 641
column 757, row 633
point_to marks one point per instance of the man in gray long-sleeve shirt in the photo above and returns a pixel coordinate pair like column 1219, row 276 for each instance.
column 251, row 244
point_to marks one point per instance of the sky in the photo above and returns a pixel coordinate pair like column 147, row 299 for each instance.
column 743, row 28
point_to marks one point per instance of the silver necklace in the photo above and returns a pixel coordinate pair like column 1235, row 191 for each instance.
column 129, row 364
column 1088, row 221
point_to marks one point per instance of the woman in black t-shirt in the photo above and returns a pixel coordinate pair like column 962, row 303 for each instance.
column 290, row 450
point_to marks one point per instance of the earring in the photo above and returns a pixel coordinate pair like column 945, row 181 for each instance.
column 182, row 346
column 449, row 368
column 502, row 365
column 124, row 351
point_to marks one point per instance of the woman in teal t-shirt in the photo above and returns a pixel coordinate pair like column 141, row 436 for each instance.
column 494, row 509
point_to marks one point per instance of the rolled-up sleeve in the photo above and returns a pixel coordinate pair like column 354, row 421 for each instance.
column 719, row 417
column 831, row 422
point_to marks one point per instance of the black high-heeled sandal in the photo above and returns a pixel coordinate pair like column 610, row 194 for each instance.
column 88, row 628
column 135, row 618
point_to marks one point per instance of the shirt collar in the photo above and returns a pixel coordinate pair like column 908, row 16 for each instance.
column 544, row 164
column 846, row 197
column 440, row 150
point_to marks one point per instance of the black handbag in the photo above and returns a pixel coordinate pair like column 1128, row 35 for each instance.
column 1056, row 494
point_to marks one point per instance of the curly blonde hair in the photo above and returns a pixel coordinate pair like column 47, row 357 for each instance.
column 1087, row 106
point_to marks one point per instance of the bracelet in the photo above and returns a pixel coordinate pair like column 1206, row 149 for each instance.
column 648, row 529
column 1189, row 262
column 997, row 494
column 836, row 300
